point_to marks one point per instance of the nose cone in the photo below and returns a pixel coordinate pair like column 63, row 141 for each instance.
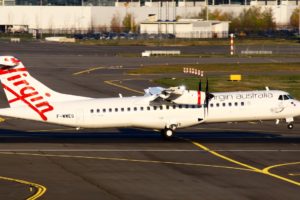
column 297, row 110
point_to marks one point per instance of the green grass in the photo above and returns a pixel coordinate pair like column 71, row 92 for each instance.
column 216, row 55
column 230, row 68
column 289, row 83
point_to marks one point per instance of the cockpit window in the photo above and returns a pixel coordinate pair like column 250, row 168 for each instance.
column 285, row 97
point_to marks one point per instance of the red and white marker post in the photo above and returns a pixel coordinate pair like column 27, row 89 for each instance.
column 231, row 44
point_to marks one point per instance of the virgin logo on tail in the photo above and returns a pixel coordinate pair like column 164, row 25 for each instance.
column 23, row 91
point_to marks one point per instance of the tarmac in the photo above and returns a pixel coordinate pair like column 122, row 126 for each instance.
column 245, row 161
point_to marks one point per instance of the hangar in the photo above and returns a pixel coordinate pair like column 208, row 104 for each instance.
column 187, row 28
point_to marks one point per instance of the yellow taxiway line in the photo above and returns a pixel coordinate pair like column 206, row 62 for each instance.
column 246, row 166
column 111, row 82
column 87, row 70
column 40, row 190
column 124, row 159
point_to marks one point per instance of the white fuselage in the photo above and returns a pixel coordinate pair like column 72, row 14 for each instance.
column 140, row 112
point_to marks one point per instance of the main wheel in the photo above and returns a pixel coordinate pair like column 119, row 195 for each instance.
column 167, row 133
column 290, row 126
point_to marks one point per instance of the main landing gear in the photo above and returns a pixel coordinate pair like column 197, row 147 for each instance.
column 168, row 132
column 290, row 126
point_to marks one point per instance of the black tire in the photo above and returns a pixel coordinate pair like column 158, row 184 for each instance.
column 290, row 126
column 167, row 133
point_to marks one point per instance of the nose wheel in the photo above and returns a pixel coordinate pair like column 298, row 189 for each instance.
column 290, row 126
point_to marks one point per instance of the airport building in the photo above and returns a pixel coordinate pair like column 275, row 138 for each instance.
column 187, row 28
column 86, row 15
column 149, row 3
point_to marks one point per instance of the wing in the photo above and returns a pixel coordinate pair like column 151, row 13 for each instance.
column 165, row 94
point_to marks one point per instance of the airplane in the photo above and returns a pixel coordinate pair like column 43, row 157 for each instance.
column 164, row 109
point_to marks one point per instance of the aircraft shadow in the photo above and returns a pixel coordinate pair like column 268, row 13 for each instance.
column 143, row 136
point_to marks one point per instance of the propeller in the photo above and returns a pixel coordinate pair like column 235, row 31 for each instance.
column 200, row 85
column 208, row 96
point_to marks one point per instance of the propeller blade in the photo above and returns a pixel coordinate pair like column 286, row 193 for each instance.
column 206, row 95
column 200, row 85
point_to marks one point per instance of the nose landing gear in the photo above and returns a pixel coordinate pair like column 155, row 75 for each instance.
column 290, row 122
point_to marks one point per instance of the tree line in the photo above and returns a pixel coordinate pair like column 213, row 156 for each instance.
column 251, row 19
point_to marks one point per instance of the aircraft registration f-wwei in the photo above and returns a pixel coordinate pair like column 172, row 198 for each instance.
column 165, row 109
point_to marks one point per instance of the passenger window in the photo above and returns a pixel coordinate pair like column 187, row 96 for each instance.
column 167, row 107
column 128, row 109
column 242, row 103
column 290, row 97
column 217, row 104
column 186, row 106
column 122, row 109
column 161, row 107
column 174, row 106
column 280, row 97
column 229, row 104
column 142, row 108
column 116, row 109
column 224, row 104
column 98, row 110
column 110, row 110
column 180, row 106
column 236, row 104
column 104, row 110
column 154, row 107
column 92, row 110
column 135, row 109
column 211, row 105
column 148, row 108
